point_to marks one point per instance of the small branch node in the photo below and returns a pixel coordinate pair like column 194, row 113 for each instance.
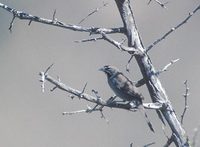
column 72, row 96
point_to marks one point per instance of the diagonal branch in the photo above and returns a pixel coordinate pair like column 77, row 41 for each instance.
column 173, row 29
column 155, row 88
column 130, row 50
column 167, row 66
column 54, row 22
column 94, row 11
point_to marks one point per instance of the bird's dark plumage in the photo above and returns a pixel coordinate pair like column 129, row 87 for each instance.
column 124, row 88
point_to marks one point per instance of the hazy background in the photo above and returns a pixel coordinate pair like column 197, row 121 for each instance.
column 30, row 118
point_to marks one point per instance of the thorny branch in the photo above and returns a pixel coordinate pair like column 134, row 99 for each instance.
column 185, row 99
column 55, row 22
column 97, row 99
column 173, row 29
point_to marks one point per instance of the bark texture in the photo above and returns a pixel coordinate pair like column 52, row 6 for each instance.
column 153, row 83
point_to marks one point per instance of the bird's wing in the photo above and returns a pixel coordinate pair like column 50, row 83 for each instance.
column 125, row 86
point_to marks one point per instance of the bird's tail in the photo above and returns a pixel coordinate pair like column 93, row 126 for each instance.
column 142, row 110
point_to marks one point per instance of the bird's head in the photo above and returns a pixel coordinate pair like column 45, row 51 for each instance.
column 109, row 70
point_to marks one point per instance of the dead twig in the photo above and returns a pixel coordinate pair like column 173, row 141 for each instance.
column 172, row 29
column 93, row 12
column 163, row 5
column 167, row 66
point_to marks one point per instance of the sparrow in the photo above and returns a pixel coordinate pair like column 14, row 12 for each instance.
column 125, row 89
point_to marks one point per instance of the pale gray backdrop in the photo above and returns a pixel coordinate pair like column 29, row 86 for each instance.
column 30, row 118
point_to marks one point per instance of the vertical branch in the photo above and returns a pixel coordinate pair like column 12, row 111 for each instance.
column 185, row 99
column 154, row 86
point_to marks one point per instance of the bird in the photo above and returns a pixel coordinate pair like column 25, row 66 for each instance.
column 125, row 89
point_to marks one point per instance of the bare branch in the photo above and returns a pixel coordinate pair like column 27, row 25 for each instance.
column 25, row 16
column 131, row 50
column 173, row 29
column 155, row 88
column 185, row 98
column 97, row 100
column 167, row 66
column 94, row 11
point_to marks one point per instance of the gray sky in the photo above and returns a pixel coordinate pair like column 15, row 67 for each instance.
column 30, row 118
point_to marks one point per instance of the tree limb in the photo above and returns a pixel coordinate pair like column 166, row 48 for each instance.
column 172, row 29
column 54, row 22
column 154, row 85
column 96, row 100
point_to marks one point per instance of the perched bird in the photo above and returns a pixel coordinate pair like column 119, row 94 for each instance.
column 124, row 88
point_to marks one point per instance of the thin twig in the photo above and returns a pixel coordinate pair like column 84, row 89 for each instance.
column 11, row 23
column 163, row 5
column 173, row 29
column 25, row 16
column 149, row 144
column 94, row 11
column 185, row 99
column 90, row 39
column 128, row 64
column 167, row 66
column 54, row 16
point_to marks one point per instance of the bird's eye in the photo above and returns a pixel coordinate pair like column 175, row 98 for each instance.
column 106, row 67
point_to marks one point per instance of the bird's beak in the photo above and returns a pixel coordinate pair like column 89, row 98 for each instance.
column 101, row 69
